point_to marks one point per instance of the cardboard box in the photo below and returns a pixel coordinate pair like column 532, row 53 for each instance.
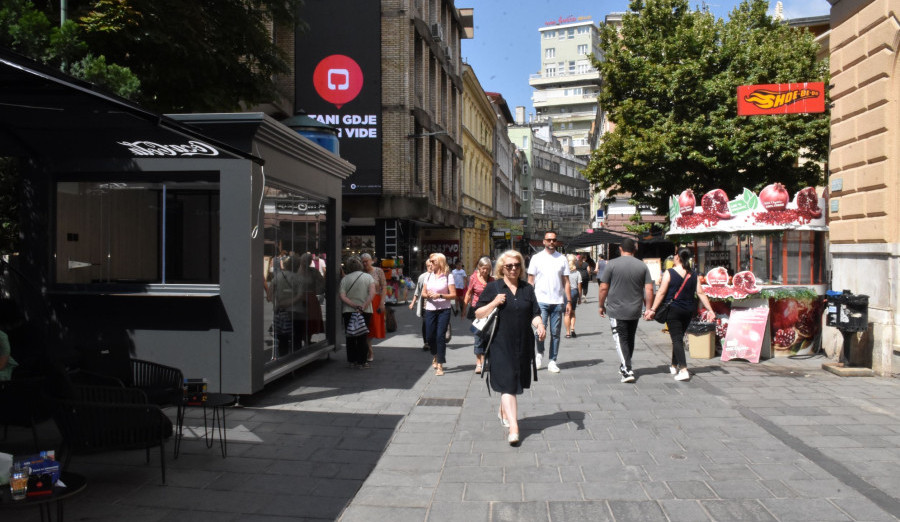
column 702, row 346
column 44, row 472
column 195, row 391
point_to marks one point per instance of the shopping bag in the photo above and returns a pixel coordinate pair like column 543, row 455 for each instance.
column 356, row 326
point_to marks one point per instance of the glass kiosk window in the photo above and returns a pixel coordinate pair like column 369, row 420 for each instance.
column 295, row 237
column 120, row 232
column 796, row 257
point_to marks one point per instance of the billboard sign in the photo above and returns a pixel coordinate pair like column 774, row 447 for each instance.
column 781, row 98
column 338, row 81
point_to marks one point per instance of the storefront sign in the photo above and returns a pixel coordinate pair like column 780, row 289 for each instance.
column 747, row 333
column 772, row 209
column 448, row 247
column 338, row 82
column 782, row 98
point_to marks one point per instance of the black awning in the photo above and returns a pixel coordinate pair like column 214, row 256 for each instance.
column 47, row 114
column 598, row 236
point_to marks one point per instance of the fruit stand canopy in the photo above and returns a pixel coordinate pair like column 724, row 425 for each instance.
column 47, row 114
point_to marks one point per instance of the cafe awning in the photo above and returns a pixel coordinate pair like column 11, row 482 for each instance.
column 597, row 236
column 47, row 114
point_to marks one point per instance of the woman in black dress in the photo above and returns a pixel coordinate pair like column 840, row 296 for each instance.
column 511, row 356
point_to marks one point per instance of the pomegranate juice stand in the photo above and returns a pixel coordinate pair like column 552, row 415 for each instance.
column 756, row 252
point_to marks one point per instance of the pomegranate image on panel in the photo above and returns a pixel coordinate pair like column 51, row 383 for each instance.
column 785, row 337
column 718, row 276
column 807, row 201
column 715, row 203
column 774, row 197
column 745, row 282
column 687, row 202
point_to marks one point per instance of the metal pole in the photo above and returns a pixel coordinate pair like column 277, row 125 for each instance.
column 62, row 12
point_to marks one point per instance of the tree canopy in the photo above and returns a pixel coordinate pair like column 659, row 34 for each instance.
column 194, row 56
column 670, row 77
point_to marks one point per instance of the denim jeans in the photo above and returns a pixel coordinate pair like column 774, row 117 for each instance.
column 436, row 323
column 553, row 326
column 480, row 342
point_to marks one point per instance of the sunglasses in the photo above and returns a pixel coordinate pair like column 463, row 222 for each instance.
column 550, row 239
column 511, row 266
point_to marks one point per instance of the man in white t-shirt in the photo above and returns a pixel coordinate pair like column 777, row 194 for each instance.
column 549, row 273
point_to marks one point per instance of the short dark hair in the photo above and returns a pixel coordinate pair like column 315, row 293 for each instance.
column 551, row 232
column 628, row 245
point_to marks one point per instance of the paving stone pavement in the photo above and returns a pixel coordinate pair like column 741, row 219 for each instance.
column 781, row 440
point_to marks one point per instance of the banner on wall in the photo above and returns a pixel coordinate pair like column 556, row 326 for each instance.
column 337, row 74
column 781, row 98
column 771, row 209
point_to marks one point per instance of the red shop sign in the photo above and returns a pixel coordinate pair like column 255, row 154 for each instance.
column 781, row 98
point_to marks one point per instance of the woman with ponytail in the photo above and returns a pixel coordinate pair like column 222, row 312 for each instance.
column 679, row 284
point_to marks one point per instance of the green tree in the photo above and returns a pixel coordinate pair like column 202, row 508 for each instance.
column 26, row 29
column 670, row 76
column 203, row 55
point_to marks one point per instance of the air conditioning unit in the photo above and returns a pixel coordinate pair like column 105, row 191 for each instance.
column 437, row 32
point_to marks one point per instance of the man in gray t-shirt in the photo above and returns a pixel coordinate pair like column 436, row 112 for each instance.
column 625, row 288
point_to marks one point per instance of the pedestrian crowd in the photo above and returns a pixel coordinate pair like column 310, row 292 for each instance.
column 518, row 308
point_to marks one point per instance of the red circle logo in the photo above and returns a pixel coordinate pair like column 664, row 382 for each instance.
column 338, row 79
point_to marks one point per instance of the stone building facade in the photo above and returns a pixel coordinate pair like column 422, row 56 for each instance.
column 477, row 195
column 864, row 180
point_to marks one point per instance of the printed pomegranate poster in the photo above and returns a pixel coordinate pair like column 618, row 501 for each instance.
column 796, row 325
column 772, row 209
column 746, row 333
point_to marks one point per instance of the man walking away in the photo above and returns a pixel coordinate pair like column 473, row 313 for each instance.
column 549, row 273
column 625, row 283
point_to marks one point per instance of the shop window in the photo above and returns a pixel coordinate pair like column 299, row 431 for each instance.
column 294, row 241
column 122, row 231
column 791, row 258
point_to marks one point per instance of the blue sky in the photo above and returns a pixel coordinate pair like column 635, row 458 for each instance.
column 506, row 46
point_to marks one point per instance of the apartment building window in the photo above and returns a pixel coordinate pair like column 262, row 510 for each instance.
column 550, row 71
column 584, row 68
column 571, row 33
column 571, row 67
column 550, row 52
column 550, row 34
column 582, row 49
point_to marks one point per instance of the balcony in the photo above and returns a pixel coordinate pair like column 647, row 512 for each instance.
column 538, row 80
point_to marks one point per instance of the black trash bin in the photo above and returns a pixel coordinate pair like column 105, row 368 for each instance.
column 847, row 312
column 857, row 313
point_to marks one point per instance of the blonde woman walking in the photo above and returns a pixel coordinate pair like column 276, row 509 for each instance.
column 439, row 292
column 574, row 297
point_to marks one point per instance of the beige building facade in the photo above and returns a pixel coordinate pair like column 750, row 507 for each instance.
column 864, row 180
column 477, row 194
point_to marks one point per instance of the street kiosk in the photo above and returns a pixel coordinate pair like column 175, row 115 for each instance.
column 754, row 251
column 151, row 234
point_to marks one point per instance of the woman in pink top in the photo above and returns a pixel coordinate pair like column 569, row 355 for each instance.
column 479, row 278
column 439, row 291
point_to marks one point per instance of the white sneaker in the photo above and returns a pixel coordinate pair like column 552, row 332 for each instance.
column 627, row 375
column 683, row 375
column 552, row 367
column 673, row 370
column 538, row 359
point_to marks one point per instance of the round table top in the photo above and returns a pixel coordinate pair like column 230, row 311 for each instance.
column 74, row 482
